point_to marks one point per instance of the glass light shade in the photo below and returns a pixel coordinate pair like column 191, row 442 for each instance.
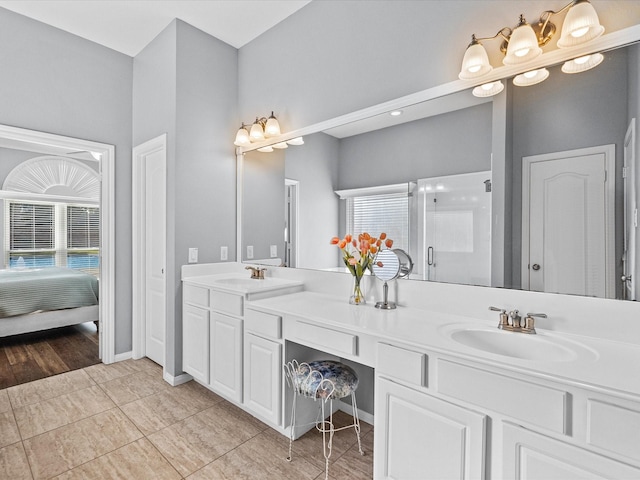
column 267, row 149
column 475, row 63
column 582, row 64
column 531, row 78
column 272, row 128
column 256, row 134
column 523, row 45
column 580, row 25
column 242, row 137
column 488, row 89
column 280, row 145
column 296, row 141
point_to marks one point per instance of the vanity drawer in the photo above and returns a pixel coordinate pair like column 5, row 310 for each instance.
column 194, row 295
column 522, row 400
column 614, row 428
column 227, row 303
column 263, row 324
column 330, row 341
column 402, row 364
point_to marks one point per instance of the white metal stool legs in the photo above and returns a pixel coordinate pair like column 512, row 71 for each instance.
column 306, row 381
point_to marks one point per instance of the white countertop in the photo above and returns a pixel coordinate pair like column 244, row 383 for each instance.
column 596, row 363
column 241, row 283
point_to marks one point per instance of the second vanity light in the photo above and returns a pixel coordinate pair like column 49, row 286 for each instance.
column 522, row 44
column 260, row 130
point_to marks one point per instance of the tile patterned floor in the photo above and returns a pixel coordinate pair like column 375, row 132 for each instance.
column 123, row 421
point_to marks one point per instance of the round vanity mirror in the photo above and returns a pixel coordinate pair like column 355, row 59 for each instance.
column 389, row 265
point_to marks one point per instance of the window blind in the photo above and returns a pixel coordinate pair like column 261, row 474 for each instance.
column 32, row 226
column 379, row 213
column 83, row 227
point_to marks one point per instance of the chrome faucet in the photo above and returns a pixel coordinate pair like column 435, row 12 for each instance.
column 512, row 321
column 256, row 272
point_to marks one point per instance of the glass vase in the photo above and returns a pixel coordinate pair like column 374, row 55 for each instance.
column 357, row 297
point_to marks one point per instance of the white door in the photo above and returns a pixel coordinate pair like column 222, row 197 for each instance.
column 225, row 369
column 263, row 377
column 195, row 342
column 149, row 249
column 630, row 215
column 155, row 233
column 568, row 223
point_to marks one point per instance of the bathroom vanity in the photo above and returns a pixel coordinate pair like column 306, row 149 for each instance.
column 454, row 396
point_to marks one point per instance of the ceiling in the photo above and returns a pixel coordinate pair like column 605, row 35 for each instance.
column 129, row 25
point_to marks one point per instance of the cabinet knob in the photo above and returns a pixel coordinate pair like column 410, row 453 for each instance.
column 536, row 267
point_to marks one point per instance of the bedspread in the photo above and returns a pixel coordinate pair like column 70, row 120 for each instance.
column 52, row 288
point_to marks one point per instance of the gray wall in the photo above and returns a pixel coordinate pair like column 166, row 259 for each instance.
column 263, row 203
column 337, row 57
column 55, row 82
column 568, row 112
column 315, row 166
column 447, row 144
column 185, row 86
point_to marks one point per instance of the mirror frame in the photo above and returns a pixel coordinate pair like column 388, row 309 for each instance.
column 107, row 219
column 609, row 41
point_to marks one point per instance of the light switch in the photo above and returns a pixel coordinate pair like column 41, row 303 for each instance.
column 224, row 253
column 249, row 252
column 193, row 255
column 274, row 251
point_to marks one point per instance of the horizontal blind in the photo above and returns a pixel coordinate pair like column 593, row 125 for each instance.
column 32, row 226
column 83, row 227
column 388, row 213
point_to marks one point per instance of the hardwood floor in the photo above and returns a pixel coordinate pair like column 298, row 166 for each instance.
column 32, row 356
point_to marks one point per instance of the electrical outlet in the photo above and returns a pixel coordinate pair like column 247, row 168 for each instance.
column 193, row 255
column 249, row 252
column 274, row 251
column 224, row 253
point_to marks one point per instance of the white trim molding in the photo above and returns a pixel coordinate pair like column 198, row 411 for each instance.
column 50, row 144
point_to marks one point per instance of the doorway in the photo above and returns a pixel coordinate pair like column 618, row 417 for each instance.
column 568, row 227
column 149, row 249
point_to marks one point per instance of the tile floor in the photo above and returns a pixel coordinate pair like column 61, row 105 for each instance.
column 124, row 421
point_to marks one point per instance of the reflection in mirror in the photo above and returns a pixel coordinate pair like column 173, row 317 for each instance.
column 563, row 115
column 386, row 267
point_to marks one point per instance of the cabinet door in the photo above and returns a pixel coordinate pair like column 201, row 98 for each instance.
column 195, row 342
column 418, row 436
column 263, row 377
column 226, row 356
column 528, row 455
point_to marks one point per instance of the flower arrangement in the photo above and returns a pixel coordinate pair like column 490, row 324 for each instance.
column 359, row 256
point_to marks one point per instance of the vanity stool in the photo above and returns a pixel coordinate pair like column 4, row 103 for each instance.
column 323, row 381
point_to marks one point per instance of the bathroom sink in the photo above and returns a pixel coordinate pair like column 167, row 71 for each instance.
column 244, row 282
column 254, row 288
column 538, row 347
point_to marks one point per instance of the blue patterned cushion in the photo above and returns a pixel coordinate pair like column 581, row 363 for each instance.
column 308, row 382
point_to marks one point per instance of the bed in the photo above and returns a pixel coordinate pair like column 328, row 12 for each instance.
column 42, row 298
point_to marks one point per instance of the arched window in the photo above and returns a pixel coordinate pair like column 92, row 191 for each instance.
column 52, row 214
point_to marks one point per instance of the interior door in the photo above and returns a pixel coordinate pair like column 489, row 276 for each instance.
column 568, row 230
column 630, row 215
column 155, row 235
column 456, row 228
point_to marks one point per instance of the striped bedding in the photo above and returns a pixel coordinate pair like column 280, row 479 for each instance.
column 51, row 288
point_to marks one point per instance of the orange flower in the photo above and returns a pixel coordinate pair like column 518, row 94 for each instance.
column 388, row 242
column 347, row 238
column 373, row 249
column 380, row 264
column 352, row 261
column 383, row 236
column 335, row 241
column 354, row 243
column 342, row 244
column 379, row 242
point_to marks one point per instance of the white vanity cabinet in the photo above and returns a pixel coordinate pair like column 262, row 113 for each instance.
column 432, row 412
column 263, row 365
column 212, row 339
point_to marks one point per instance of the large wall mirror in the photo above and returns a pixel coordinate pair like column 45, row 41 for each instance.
column 482, row 181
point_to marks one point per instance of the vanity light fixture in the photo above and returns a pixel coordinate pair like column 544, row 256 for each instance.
column 531, row 78
column 261, row 129
column 522, row 44
column 396, row 113
column 296, row 141
column 280, row 145
column 267, row 149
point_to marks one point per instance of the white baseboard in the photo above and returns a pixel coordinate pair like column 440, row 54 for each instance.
column 119, row 357
column 177, row 380
column 362, row 415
